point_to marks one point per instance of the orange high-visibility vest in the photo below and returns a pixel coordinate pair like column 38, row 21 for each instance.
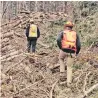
column 33, row 31
column 69, row 40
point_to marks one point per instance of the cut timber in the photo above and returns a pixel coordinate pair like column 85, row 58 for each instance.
column 31, row 55
column 40, row 43
column 51, row 66
column 12, row 57
column 13, row 21
column 24, row 22
column 7, row 23
column 9, row 47
column 17, row 34
column 5, row 31
column 51, row 91
column 90, row 89
column 6, row 35
column 9, row 67
column 5, row 40
column 9, row 55
column 43, row 53
column 4, row 44
column 11, row 50
column 26, row 12
column 16, row 24
column 6, row 50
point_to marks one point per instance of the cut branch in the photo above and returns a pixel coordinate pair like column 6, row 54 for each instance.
column 51, row 92
column 40, row 43
column 15, row 65
column 90, row 90
column 9, row 55
column 26, row 12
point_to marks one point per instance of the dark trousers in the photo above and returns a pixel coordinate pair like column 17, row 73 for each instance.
column 31, row 45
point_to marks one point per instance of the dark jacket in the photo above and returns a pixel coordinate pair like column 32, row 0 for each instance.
column 78, row 44
column 27, row 32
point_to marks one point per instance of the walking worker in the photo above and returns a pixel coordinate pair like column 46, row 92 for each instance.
column 32, row 34
column 69, row 43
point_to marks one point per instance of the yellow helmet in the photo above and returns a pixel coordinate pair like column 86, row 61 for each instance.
column 31, row 21
column 69, row 24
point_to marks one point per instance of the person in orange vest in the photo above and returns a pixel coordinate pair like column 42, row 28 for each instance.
column 69, row 43
column 32, row 34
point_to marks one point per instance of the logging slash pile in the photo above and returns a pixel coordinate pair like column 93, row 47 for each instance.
column 25, row 77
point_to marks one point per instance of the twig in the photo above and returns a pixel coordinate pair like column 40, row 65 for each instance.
column 85, row 82
column 28, row 87
column 90, row 90
column 15, row 64
column 26, row 12
column 90, row 46
column 42, row 44
column 78, row 78
column 5, row 9
column 53, row 89
column 44, row 91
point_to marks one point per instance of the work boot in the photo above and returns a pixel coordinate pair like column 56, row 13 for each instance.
column 27, row 53
column 33, row 54
column 63, row 76
column 69, row 85
column 28, row 50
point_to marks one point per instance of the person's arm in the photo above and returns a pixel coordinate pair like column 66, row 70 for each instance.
column 59, row 38
column 78, row 45
column 27, row 30
column 38, row 33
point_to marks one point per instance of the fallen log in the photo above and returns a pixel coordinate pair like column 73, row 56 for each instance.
column 51, row 66
column 7, row 49
column 9, row 67
column 10, row 58
column 11, row 49
column 4, row 40
column 9, row 34
column 13, row 21
column 19, row 35
column 42, row 44
column 9, row 55
column 16, row 24
column 86, row 93
column 26, row 12
column 4, row 44
column 4, row 52
column 90, row 90
column 24, row 22
column 4, row 32
column 51, row 91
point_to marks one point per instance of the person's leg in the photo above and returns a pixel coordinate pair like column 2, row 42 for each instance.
column 28, row 45
column 62, row 55
column 33, row 42
column 70, row 61
column 61, row 60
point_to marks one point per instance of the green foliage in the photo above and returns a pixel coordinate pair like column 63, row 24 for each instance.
column 60, row 22
column 77, row 66
column 85, row 18
column 52, row 35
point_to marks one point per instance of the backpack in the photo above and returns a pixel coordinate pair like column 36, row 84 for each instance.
column 69, row 40
column 33, row 31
